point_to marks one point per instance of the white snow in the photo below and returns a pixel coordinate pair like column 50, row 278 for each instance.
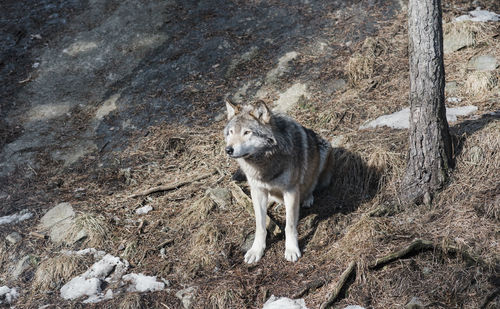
column 401, row 119
column 143, row 210
column 8, row 294
column 109, row 269
column 354, row 307
column 142, row 283
column 16, row 218
column 284, row 303
column 479, row 15
column 89, row 283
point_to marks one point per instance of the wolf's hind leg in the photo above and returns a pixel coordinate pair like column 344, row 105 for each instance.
column 259, row 200
column 308, row 202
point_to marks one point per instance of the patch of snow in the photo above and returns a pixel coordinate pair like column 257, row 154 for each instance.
column 401, row 119
column 143, row 210
column 8, row 295
column 354, row 307
column 452, row 113
column 99, row 297
column 284, row 303
column 89, row 283
column 479, row 16
column 453, row 100
column 142, row 283
column 16, row 218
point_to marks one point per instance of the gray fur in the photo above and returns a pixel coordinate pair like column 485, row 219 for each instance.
column 283, row 162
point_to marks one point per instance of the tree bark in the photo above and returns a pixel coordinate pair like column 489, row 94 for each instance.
column 430, row 150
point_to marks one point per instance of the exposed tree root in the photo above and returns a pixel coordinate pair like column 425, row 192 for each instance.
column 416, row 246
column 340, row 285
column 421, row 245
column 310, row 286
column 171, row 187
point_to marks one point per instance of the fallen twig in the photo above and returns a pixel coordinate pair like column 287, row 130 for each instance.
column 310, row 286
column 340, row 285
column 416, row 246
column 170, row 187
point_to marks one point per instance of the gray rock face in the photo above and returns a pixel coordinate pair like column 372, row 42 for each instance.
column 187, row 296
column 483, row 63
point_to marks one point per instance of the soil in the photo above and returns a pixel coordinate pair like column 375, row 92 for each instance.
column 102, row 99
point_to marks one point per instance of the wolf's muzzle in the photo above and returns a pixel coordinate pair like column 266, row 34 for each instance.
column 229, row 150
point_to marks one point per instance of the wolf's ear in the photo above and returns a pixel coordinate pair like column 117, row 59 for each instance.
column 261, row 112
column 231, row 109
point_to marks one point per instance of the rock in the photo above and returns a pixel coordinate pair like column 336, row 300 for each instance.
column 483, row 63
column 284, row 303
column 20, row 267
column 415, row 303
column 57, row 214
column 187, row 296
column 336, row 85
column 221, row 196
column 59, row 220
column 476, row 154
column 14, row 237
column 451, row 88
column 289, row 99
column 456, row 40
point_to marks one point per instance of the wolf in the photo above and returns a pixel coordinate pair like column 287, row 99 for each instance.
column 283, row 162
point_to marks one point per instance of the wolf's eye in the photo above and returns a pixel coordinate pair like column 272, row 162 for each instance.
column 246, row 132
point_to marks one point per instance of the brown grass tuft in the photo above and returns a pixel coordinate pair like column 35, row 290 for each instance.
column 131, row 301
column 95, row 227
column 480, row 83
column 225, row 298
column 204, row 246
column 54, row 271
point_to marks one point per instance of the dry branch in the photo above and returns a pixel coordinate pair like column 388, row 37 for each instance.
column 310, row 286
column 416, row 246
column 172, row 186
column 340, row 284
column 243, row 199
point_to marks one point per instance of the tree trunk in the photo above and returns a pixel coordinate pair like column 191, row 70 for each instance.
column 430, row 153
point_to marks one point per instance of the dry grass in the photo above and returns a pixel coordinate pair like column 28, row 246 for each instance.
column 479, row 84
column 225, row 298
column 131, row 301
column 53, row 272
column 205, row 246
column 95, row 227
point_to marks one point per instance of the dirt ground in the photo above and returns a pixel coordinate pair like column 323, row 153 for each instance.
column 104, row 99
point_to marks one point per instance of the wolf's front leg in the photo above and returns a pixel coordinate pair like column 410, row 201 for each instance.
column 292, row 205
column 259, row 200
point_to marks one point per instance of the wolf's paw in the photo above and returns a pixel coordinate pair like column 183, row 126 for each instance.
column 307, row 203
column 253, row 255
column 292, row 254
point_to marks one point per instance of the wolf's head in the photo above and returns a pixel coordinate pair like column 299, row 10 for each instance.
column 248, row 131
